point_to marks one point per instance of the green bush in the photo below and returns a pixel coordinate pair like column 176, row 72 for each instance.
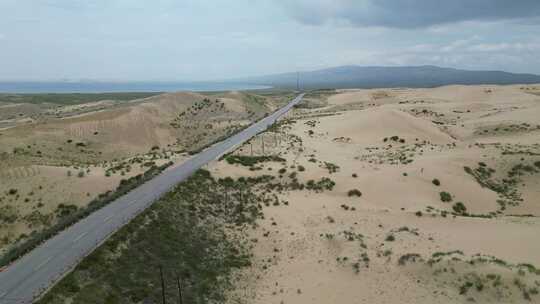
column 323, row 184
column 445, row 197
column 250, row 161
column 459, row 208
column 354, row 192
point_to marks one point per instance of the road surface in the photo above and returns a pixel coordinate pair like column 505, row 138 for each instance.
column 28, row 277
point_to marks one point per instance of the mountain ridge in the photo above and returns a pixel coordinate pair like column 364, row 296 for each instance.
column 354, row 76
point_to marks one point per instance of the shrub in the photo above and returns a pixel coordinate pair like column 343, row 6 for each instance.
column 459, row 208
column 436, row 182
column 332, row 168
column 408, row 257
column 445, row 197
column 390, row 238
column 12, row 191
column 323, row 184
column 64, row 210
column 80, row 174
column 418, row 213
column 354, row 192
column 250, row 161
column 354, row 175
column 282, row 171
column 301, row 168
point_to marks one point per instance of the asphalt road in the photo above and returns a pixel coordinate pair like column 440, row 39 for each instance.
column 28, row 277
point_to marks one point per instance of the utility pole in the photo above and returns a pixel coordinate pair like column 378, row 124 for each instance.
column 179, row 284
column 162, row 284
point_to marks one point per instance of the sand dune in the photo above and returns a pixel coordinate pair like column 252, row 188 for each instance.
column 331, row 247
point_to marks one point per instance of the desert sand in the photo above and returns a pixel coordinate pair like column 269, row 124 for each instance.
column 398, row 238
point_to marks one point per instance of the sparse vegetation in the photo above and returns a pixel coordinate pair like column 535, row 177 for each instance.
column 197, row 248
column 445, row 197
column 459, row 208
column 354, row 192
column 250, row 161
column 68, row 216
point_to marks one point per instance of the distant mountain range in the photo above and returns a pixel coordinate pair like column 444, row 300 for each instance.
column 378, row 76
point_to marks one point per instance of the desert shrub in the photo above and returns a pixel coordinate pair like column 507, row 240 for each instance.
column 445, row 197
column 459, row 208
column 418, row 213
column 323, row 184
column 354, row 175
column 68, row 220
column 354, row 192
column 332, row 168
column 301, row 168
column 390, row 238
column 250, row 161
column 436, row 182
column 64, row 210
column 413, row 257
column 282, row 171
column 465, row 287
column 80, row 174
column 12, row 191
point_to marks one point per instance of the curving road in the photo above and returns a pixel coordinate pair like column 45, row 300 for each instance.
column 28, row 277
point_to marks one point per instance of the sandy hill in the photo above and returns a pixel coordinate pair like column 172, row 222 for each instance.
column 78, row 151
column 427, row 207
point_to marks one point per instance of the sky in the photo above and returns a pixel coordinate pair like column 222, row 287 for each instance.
column 187, row 40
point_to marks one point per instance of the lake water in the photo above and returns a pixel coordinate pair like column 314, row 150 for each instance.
column 110, row 87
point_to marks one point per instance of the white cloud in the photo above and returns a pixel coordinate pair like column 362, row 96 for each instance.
column 498, row 47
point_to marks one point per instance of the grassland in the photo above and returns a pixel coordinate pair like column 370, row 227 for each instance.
column 194, row 233
column 71, row 98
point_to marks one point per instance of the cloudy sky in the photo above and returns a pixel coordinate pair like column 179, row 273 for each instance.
column 216, row 39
